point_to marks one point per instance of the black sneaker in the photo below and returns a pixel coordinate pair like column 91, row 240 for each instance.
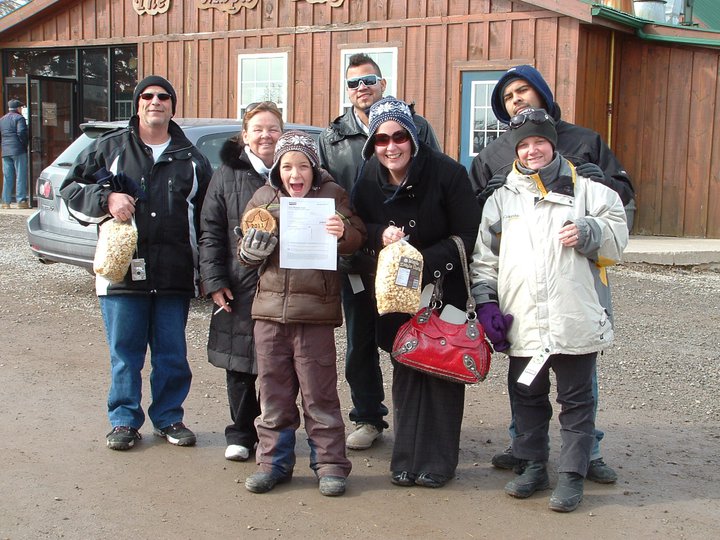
column 505, row 460
column 600, row 472
column 177, row 434
column 122, row 438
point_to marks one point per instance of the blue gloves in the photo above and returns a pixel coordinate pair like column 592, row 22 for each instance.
column 590, row 170
column 256, row 246
column 496, row 325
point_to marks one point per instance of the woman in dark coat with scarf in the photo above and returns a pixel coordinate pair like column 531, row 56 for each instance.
column 406, row 188
column 246, row 159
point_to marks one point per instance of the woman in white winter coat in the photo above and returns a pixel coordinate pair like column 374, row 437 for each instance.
column 538, row 276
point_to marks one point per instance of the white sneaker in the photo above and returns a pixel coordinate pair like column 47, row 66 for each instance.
column 363, row 437
column 236, row 452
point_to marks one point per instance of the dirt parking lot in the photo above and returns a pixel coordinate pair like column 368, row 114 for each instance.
column 660, row 404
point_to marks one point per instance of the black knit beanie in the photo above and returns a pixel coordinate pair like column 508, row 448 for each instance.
column 532, row 123
column 154, row 80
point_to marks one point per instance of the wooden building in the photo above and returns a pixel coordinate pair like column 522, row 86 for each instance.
column 650, row 89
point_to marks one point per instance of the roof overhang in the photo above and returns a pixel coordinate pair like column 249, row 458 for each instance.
column 652, row 31
column 25, row 13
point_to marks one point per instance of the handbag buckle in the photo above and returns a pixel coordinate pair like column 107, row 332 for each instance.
column 472, row 331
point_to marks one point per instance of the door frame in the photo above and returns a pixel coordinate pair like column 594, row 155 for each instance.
column 36, row 141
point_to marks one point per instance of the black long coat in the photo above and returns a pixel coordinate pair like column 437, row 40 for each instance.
column 230, row 341
column 436, row 202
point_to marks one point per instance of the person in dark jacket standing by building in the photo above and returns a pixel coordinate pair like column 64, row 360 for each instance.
column 246, row 162
column 340, row 147
column 152, row 174
column 409, row 189
column 13, row 131
column 521, row 88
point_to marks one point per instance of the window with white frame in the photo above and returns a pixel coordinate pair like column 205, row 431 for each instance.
column 385, row 58
column 484, row 126
column 262, row 77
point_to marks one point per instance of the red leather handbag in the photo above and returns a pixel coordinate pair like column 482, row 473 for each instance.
column 457, row 352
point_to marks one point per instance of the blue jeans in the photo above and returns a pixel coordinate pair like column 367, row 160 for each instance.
column 599, row 435
column 132, row 322
column 362, row 361
column 15, row 168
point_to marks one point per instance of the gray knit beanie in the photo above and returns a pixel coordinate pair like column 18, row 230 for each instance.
column 297, row 141
column 390, row 108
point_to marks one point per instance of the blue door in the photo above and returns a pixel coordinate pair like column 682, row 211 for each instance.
column 478, row 125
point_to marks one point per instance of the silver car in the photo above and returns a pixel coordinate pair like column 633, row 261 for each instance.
column 55, row 236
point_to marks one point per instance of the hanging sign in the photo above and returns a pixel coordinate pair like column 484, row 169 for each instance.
column 151, row 7
column 229, row 6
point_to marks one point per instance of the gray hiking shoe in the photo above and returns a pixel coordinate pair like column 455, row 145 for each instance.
column 332, row 486
column 534, row 478
column 264, row 481
column 568, row 493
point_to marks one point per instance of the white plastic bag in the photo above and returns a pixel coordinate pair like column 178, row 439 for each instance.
column 117, row 241
column 398, row 278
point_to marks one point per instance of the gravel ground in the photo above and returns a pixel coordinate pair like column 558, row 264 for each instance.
column 659, row 406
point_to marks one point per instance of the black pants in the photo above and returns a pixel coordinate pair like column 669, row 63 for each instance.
column 428, row 413
column 533, row 410
column 244, row 408
column 362, row 361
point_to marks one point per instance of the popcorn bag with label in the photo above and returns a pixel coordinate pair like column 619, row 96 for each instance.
column 116, row 244
column 398, row 278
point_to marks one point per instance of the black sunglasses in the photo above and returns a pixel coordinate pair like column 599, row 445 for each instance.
column 399, row 137
column 367, row 80
column 148, row 96
column 536, row 116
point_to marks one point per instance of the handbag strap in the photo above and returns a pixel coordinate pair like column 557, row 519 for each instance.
column 436, row 298
column 470, row 304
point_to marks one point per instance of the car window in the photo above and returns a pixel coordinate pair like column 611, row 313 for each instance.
column 211, row 144
column 67, row 157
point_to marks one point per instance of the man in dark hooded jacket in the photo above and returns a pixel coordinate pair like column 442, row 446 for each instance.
column 522, row 87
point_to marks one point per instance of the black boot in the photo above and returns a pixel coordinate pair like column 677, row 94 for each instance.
column 568, row 493
column 533, row 478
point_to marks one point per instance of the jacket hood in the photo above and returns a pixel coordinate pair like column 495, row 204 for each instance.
column 232, row 151
column 534, row 78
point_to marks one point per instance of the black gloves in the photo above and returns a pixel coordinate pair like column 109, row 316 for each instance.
column 590, row 170
column 256, row 246
column 497, row 181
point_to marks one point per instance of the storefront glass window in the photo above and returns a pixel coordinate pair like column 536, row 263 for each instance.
column 94, row 85
column 124, row 73
column 49, row 63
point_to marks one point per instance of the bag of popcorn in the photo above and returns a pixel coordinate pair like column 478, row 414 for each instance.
column 117, row 241
column 398, row 278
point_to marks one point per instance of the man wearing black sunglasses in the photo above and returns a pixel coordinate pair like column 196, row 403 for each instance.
column 519, row 89
column 151, row 174
column 340, row 148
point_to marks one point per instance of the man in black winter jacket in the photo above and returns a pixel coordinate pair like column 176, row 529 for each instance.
column 152, row 174
column 340, row 147
column 520, row 88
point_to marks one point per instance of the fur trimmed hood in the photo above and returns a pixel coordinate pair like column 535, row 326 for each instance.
column 232, row 151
